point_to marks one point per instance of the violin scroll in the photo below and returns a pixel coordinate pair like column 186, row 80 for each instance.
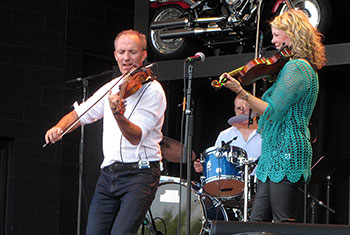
column 217, row 84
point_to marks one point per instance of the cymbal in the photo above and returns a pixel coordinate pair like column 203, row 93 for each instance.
column 171, row 149
column 239, row 118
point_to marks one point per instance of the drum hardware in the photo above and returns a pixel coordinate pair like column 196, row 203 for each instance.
column 234, row 214
column 238, row 214
column 245, row 209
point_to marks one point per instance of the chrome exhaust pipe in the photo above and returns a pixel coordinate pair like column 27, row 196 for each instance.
column 182, row 22
column 170, row 23
column 208, row 20
column 180, row 33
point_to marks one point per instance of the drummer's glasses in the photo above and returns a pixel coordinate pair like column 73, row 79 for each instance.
column 241, row 109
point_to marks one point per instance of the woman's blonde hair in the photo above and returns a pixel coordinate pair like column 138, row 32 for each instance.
column 306, row 41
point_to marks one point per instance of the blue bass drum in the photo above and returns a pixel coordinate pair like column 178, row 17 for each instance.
column 223, row 171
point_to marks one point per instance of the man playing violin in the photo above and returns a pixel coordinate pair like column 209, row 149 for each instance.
column 132, row 126
column 286, row 109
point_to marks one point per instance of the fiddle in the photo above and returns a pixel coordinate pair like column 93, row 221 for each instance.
column 132, row 83
column 256, row 69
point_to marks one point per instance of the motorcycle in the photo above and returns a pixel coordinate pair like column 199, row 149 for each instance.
column 222, row 26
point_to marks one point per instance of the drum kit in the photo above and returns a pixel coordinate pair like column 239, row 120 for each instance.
column 225, row 191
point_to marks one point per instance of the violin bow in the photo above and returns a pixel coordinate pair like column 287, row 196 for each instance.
column 289, row 4
column 66, row 130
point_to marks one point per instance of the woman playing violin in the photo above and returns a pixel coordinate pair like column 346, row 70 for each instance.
column 132, row 126
column 286, row 109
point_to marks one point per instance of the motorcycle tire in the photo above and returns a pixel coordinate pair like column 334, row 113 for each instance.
column 318, row 11
column 168, row 48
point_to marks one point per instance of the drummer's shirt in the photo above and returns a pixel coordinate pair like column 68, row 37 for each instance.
column 252, row 146
column 145, row 108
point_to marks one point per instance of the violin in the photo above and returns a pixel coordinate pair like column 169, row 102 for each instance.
column 259, row 68
column 132, row 83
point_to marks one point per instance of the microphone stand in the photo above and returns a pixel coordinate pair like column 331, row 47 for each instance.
column 315, row 202
column 258, row 53
column 66, row 130
column 85, row 84
column 328, row 179
column 81, row 158
column 188, row 145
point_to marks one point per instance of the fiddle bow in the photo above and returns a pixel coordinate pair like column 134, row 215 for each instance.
column 127, row 88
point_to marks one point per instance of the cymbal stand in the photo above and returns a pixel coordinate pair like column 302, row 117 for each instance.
column 245, row 208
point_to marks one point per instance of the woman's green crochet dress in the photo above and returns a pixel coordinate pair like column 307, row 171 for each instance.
column 286, row 147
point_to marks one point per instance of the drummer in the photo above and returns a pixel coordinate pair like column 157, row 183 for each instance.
column 240, row 134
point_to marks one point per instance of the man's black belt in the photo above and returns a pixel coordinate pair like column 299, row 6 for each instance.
column 122, row 166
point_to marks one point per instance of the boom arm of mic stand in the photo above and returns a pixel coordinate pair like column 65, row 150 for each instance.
column 90, row 77
column 66, row 130
column 321, row 203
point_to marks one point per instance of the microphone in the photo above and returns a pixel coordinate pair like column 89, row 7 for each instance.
column 227, row 144
column 233, row 139
column 199, row 56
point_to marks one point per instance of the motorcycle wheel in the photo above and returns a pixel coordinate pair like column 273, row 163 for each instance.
column 168, row 48
column 318, row 11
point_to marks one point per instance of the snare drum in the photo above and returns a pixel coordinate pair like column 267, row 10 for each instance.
column 165, row 208
column 222, row 171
